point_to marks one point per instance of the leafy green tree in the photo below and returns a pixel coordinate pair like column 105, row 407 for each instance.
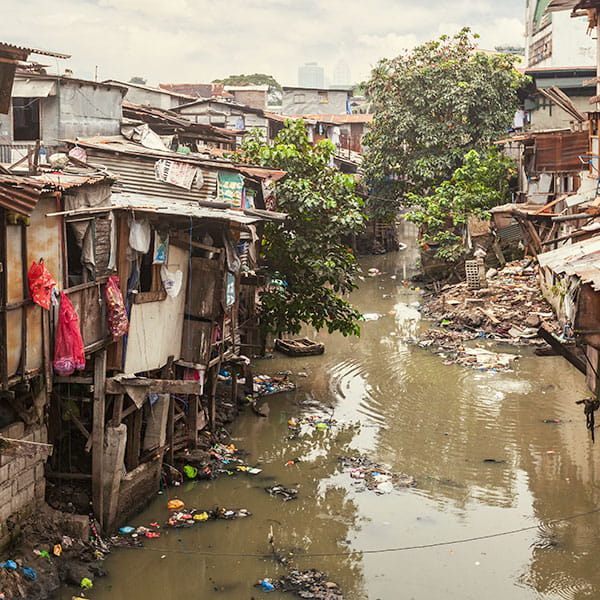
column 482, row 182
column 311, row 267
column 432, row 105
column 275, row 92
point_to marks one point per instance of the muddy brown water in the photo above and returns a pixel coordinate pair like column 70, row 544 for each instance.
column 435, row 422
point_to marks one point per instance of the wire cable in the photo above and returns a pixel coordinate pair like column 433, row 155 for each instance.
column 374, row 550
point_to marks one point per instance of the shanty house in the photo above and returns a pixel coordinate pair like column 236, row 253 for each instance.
column 46, row 108
column 27, row 329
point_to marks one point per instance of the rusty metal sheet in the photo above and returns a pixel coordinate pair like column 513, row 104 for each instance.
column 560, row 151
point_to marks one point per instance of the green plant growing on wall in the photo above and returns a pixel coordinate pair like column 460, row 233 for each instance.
column 310, row 265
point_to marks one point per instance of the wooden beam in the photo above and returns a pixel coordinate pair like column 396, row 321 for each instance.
column 545, row 333
column 134, row 439
column 98, row 435
column 117, row 414
column 25, row 287
column 3, row 298
column 153, row 386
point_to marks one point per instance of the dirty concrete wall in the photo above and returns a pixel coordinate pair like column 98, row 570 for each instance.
column 43, row 241
column 300, row 101
column 22, row 482
column 138, row 488
column 555, row 117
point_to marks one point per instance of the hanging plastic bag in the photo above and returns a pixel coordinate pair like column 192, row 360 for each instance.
column 140, row 235
column 69, row 352
column 171, row 280
column 41, row 284
column 118, row 323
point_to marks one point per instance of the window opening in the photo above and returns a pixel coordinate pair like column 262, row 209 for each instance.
column 26, row 119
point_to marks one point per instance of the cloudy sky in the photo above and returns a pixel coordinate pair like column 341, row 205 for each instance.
column 199, row 40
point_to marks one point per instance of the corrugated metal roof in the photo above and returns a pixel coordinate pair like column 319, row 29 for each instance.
column 581, row 260
column 21, row 193
column 148, row 204
column 4, row 46
column 133, row 164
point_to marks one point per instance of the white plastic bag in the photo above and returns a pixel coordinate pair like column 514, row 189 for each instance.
column 171, row 280
column 140, row 235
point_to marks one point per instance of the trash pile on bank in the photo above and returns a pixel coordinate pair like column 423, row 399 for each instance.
column 510, row 309
column 374, row 476
column 49, row 553
column 309, row 583
column 219, row 459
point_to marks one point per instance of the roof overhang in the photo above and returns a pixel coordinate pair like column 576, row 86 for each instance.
column 33, row 88
column 161, row 206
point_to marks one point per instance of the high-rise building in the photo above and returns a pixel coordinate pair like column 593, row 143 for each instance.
column 341, row 73
column 311, row 75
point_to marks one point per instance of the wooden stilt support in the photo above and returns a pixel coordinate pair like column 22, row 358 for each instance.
column 134, row 428
column 98, row 435
column 171, row 431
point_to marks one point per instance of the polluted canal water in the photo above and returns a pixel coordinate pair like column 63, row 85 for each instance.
column 400, row 406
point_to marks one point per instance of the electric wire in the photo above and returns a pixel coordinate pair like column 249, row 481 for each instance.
column 368, row 551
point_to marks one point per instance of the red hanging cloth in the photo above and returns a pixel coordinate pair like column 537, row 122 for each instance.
column 41, row 284
column 69, row 353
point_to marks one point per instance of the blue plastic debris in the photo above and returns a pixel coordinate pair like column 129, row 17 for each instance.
column 30, row 572
column 267, row 585
column 9, row 564
column 127, row 529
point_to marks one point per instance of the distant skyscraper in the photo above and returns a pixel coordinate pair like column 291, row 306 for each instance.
column 311, row 75
column 341, row 73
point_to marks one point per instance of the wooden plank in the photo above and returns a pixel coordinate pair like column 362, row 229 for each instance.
column 98, row 435
column 134, row 440
column 25, row 285
column 153, row 386
column 115, row 354
column 117, row 414
column 192, row 420
column 171, row 431
column 3, row 297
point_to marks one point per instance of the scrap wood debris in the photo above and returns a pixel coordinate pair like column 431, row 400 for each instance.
column 510, row 309
column 309, row 583
column 375, row 476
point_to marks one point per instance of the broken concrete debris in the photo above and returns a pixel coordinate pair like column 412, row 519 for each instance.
column 510, row 309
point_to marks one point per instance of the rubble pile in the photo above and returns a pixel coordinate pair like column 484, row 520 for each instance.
column 375, row 476
column 52, row 550
column 510, row 309
column 309, row 583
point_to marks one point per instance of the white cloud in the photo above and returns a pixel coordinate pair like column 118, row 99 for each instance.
column 199, row 40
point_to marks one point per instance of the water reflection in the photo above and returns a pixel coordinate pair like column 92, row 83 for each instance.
column 438, row 423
